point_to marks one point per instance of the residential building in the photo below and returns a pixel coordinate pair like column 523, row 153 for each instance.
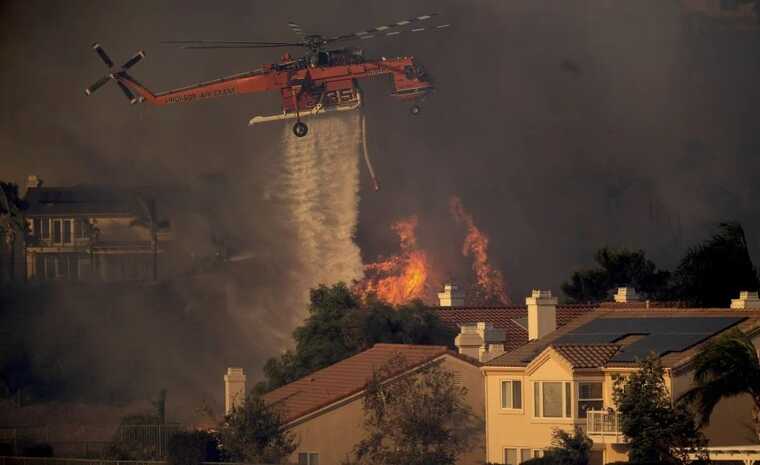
column 739, row 14
column 324, row 410
column 566, row 378
column 487, row 332
column 90, row 233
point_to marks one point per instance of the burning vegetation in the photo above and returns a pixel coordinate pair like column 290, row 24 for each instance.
column 408, row 275
column 490, row 281
column 400, row 278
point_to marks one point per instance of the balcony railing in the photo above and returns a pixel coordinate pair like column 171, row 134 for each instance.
column 605, row 424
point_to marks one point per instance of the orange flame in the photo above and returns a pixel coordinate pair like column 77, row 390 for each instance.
column 400, row 278
column 490, row 280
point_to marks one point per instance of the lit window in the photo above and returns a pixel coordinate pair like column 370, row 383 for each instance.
column 551, row 399
column 308, row 458
column 511, row 394
column 515, row 455
column 589, row 398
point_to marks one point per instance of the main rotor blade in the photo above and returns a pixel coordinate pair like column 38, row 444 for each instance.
column 98, row 84
column 128, row 93
column 212, row 47
column 134, row 60
column 102, row 54
column 382, row 29
column 297, row 29
column 395, row 33
column 225, row 42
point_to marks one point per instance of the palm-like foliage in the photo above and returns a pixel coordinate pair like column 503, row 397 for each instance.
column 727, row 366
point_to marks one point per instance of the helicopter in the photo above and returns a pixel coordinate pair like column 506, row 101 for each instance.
column 321, row 81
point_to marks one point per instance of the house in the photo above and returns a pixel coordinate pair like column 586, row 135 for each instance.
column 566, row 378
column 90, row 233
column 740, row 14
column 490, row 331
column 324, row 410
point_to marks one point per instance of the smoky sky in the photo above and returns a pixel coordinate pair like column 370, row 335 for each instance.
column 563, row 126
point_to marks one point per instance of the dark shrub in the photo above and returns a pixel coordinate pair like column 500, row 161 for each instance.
column 39, row 449
column 545, row 460
column 6, row 449
column 192, row 448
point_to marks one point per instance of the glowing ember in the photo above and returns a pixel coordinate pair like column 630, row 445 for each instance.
column 489, row 280
column 400, row 278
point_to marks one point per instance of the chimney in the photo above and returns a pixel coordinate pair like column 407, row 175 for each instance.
column 480, row 341
column 33, row 182
column 747, row 301
column 542, row 314
column 234, row 389
column 626, row 295
column 451, row 296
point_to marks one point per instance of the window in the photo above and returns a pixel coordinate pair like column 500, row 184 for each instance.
column 45, row 229
column 56, row 231
column 308, row 458
column 729, row 4
column 589, row 398
column 515, row 456
column 511, row 394
column 538, row 453
column 67, row 226
column 551, row 399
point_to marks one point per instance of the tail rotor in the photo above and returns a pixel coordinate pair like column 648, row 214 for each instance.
column 115, row 73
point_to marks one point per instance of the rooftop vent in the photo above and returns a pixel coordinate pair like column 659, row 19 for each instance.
column 451, row 296
column 626, row 295
column 747, row 301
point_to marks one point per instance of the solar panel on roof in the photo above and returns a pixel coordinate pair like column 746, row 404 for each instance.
column 661, row 334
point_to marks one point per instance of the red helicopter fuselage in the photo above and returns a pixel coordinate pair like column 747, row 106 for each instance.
column 330, row 84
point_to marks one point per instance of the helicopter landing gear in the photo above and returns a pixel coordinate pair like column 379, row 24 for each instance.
column 300, row 129
column 415, row 109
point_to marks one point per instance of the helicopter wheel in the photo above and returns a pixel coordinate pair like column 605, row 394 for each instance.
column 415, row 110
column 300, row 129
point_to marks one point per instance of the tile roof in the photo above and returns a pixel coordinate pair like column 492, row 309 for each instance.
column 507, row 318
column 587, row 355
column 80, row 200
column 348, row 377
column 524, row 354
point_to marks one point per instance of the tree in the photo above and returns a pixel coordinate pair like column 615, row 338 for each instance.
column 254, row 432
column 339, row 326
column 713, row 272
column 617, row 268
column 725, row 367
column 12, row 225
column 657, row 431
column 419, row 418
column 569, row 449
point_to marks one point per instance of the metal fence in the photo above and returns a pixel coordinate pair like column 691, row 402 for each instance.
column 147, row 440
column 64, row 461
column 152, row 439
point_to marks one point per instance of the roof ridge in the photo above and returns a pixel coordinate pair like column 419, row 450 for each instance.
column 407, row 346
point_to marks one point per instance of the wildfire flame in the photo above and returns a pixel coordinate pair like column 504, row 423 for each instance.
column 400, row 278
column 489, row 280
